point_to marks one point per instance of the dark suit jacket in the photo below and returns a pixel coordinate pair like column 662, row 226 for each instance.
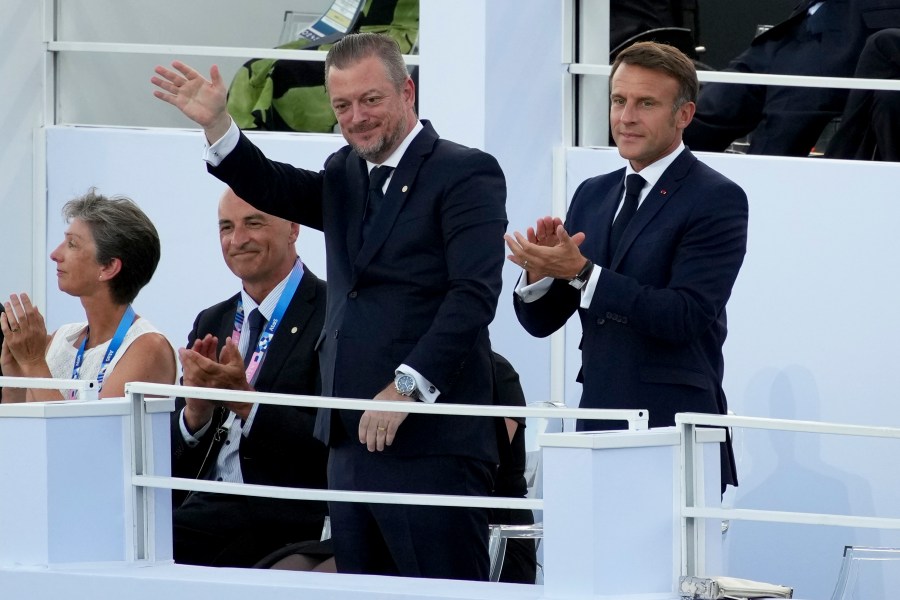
column 844, row 26
column 653, row 335
column 280, row 448
column 421, row 290
column 789, row 120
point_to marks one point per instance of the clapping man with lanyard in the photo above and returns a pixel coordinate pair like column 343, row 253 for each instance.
column 262, row 338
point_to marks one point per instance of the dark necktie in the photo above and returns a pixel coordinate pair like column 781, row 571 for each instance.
column 256, row 321
column 634, row 183
column 376, row 196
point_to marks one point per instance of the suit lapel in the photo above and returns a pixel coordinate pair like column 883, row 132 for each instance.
column 226, row 325
column 295, row 320
column 396, row 196
column 663, row 192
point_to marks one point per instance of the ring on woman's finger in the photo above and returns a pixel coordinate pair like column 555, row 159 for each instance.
column 14, row 330
column 525, row 265
column 380, row 428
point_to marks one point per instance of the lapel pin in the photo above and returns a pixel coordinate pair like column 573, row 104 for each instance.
column 405, row 187
column 663, row 192
column 293, row 330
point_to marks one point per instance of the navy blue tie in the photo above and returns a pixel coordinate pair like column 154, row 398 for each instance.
column 256, row 322
column 376, row 196
column 634, row 183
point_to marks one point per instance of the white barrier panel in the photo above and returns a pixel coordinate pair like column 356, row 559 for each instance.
column 67, row 490
column 611, row 512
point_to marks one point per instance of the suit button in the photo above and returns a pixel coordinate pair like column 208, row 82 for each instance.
column 609, row 315
column 601, row 321
column 352, row 294
column 335, row 333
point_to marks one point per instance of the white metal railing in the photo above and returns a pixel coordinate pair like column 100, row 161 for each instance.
column 694, row 512
column 593, row 94
column 850, row 83
column 84, row 390
column 143, row 477
column 194, row 50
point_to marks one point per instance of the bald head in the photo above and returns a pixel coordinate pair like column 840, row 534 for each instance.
column 256, row 246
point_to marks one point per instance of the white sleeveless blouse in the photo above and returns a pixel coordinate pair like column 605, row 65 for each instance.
column 62, row 350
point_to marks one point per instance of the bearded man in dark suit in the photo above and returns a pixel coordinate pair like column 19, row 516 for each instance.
column 414, row 244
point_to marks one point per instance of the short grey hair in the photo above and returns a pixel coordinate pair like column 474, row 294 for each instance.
column 120, row 230
column 355, row 47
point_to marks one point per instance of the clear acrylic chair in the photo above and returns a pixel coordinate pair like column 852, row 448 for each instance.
column 867, row 573
column 501, row 533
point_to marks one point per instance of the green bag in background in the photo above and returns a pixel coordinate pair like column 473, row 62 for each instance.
column 289, row 95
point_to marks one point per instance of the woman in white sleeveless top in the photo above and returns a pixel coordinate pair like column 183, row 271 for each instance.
column 109, row 253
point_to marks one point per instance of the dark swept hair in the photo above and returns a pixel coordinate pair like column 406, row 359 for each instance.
column 120, row 230
column 666, row 59
column 355, row 47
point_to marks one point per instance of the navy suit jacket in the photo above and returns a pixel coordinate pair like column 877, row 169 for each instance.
column 653, row 334
column 280, row 448
column 421, row 290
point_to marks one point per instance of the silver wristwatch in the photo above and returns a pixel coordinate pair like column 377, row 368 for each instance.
column 406, row 385
column 581, row 279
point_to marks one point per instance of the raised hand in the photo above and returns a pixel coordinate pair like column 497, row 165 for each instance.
column 226, row 373
column 544, row 232
column 547, row 250
column 25, row 336
column 201, row 100
column 202, row 369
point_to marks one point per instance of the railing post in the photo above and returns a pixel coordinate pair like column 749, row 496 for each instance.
column 139, row 501
column 150, row 518
column 688, row 498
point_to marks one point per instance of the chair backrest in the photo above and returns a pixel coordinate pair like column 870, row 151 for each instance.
column 867, row 573
column 533, row 428
column 680, row 37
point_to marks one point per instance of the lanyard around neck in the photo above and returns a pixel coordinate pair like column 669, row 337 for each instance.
column 114, row 344
column 265, row 338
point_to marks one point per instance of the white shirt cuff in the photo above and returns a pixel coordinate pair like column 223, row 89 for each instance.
column 530, row 293
column 215, row 153
column 427, row 392
column 246, row 425
column 191, row 439
column 587, row 292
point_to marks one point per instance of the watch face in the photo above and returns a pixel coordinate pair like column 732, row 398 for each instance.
column 405, row 384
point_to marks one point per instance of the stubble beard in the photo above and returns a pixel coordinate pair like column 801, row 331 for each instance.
column 381, row 148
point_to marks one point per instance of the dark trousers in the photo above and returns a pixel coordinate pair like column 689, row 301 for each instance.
column 220, row 530
column 414, row 541
column 870, row 125
column 782, row 121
